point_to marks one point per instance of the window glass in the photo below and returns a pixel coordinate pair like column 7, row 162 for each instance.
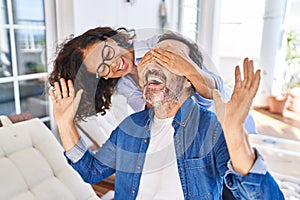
column 7, row 100
column 291, row 49
column 5, row 55
column 31, row 55
column 241, row 27
column 189, row 18
column 28, row 12
column 292, row 19
column 33, row 97
column 23, row 58
column 3, row 12
column 294, row 9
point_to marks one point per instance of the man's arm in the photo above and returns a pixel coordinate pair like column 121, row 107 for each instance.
column 232, row 116
column 247, row 176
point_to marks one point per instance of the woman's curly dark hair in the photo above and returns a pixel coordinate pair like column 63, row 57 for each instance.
column 68, row 64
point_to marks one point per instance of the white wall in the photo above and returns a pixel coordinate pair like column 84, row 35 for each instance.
column 64, row 18
column 142, row 14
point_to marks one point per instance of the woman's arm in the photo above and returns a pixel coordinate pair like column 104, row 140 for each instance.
column 181, row 64
column 65, row 105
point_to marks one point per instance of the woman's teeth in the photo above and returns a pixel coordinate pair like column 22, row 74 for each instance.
column 121, row 66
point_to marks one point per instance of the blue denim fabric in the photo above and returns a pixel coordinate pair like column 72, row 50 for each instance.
column 202, row 158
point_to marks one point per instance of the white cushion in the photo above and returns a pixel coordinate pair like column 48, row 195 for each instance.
column 32, row 165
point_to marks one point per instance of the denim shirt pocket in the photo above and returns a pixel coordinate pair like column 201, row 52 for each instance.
column 201, row 180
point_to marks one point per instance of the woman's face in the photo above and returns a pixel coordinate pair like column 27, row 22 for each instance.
column 120, row 61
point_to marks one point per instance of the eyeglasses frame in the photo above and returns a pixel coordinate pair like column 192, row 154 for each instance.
column 105, row 59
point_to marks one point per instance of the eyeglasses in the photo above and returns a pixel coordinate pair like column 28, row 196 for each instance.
column 107, row 54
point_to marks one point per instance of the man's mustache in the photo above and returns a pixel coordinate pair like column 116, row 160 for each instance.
column 156, row 73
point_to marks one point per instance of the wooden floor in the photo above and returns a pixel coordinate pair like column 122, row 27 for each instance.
column 282, row 126
column 278, row 140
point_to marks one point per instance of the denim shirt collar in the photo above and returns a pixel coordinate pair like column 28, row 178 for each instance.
column 182, row 115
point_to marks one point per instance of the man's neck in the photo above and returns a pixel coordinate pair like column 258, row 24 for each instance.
column 168, row 109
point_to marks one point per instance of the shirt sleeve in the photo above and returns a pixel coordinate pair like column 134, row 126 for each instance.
column 259, row 166
column 218, row 80
column 257, row 184
column 132, row 92
column 224, row 90
column 76, row 153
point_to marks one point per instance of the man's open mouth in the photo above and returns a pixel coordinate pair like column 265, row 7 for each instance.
column 153, row 80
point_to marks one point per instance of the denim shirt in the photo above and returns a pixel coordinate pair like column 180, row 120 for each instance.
column 201, row 152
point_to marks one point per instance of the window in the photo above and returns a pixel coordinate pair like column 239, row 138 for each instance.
column 188, row 18
column 241, row 28
column 292, row 19
column 23, row 65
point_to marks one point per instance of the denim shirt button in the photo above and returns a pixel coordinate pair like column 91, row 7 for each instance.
column 183, row 123
column 145, row 140
column 133, row 191
column 138, row 167
column 230, row 183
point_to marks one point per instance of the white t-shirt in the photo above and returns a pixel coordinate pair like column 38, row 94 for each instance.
column 160, row 177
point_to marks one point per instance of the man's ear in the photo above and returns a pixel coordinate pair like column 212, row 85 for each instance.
column 141, row 84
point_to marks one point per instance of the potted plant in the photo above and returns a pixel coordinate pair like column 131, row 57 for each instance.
column 292, row 76
column 290, row 88
column 277, row 103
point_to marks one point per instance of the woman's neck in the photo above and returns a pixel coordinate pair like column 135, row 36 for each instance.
column 134, row 75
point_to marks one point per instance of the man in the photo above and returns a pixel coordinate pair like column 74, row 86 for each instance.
column 176, row 149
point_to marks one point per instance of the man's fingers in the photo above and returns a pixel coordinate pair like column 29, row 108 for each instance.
column 238, row 78
column 256, row 82
column 250, row 74
column 245, row 72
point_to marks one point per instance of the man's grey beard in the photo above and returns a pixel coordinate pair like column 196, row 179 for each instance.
column 164, row 96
